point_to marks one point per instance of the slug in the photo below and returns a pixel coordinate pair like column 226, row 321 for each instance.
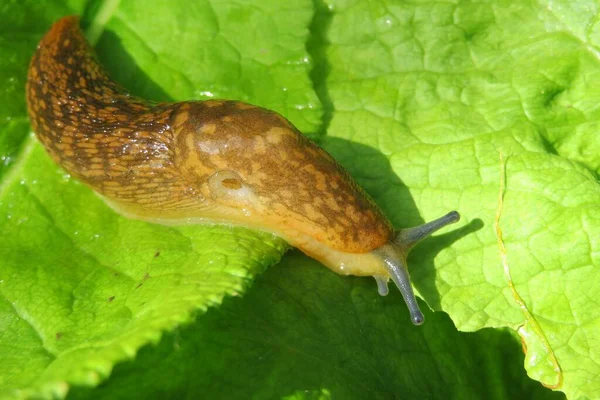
column 209, row 162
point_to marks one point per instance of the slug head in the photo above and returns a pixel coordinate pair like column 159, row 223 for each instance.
column 394, row 255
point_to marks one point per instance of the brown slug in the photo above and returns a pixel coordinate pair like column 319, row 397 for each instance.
column 209, row 162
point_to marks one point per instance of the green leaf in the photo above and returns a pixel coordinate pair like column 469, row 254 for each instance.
column 443, row 90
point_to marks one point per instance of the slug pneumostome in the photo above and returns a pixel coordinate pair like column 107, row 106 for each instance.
column 209, row 162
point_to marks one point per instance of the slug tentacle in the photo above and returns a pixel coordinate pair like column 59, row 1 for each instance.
column 395, row 264
column 209, row 162
column 382, row 284
column 409, row 237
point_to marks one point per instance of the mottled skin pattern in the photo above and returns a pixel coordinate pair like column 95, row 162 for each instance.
column 154, row 161
column 118, row 144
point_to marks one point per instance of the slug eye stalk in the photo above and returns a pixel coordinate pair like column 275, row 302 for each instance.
column 395, row 253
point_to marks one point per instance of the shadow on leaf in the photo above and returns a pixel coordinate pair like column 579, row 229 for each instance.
column 305, row 332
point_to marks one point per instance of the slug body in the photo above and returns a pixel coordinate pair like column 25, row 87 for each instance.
column 209, row 162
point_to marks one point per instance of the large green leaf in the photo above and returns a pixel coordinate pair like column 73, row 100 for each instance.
column 443, row 90
column 420, row 99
